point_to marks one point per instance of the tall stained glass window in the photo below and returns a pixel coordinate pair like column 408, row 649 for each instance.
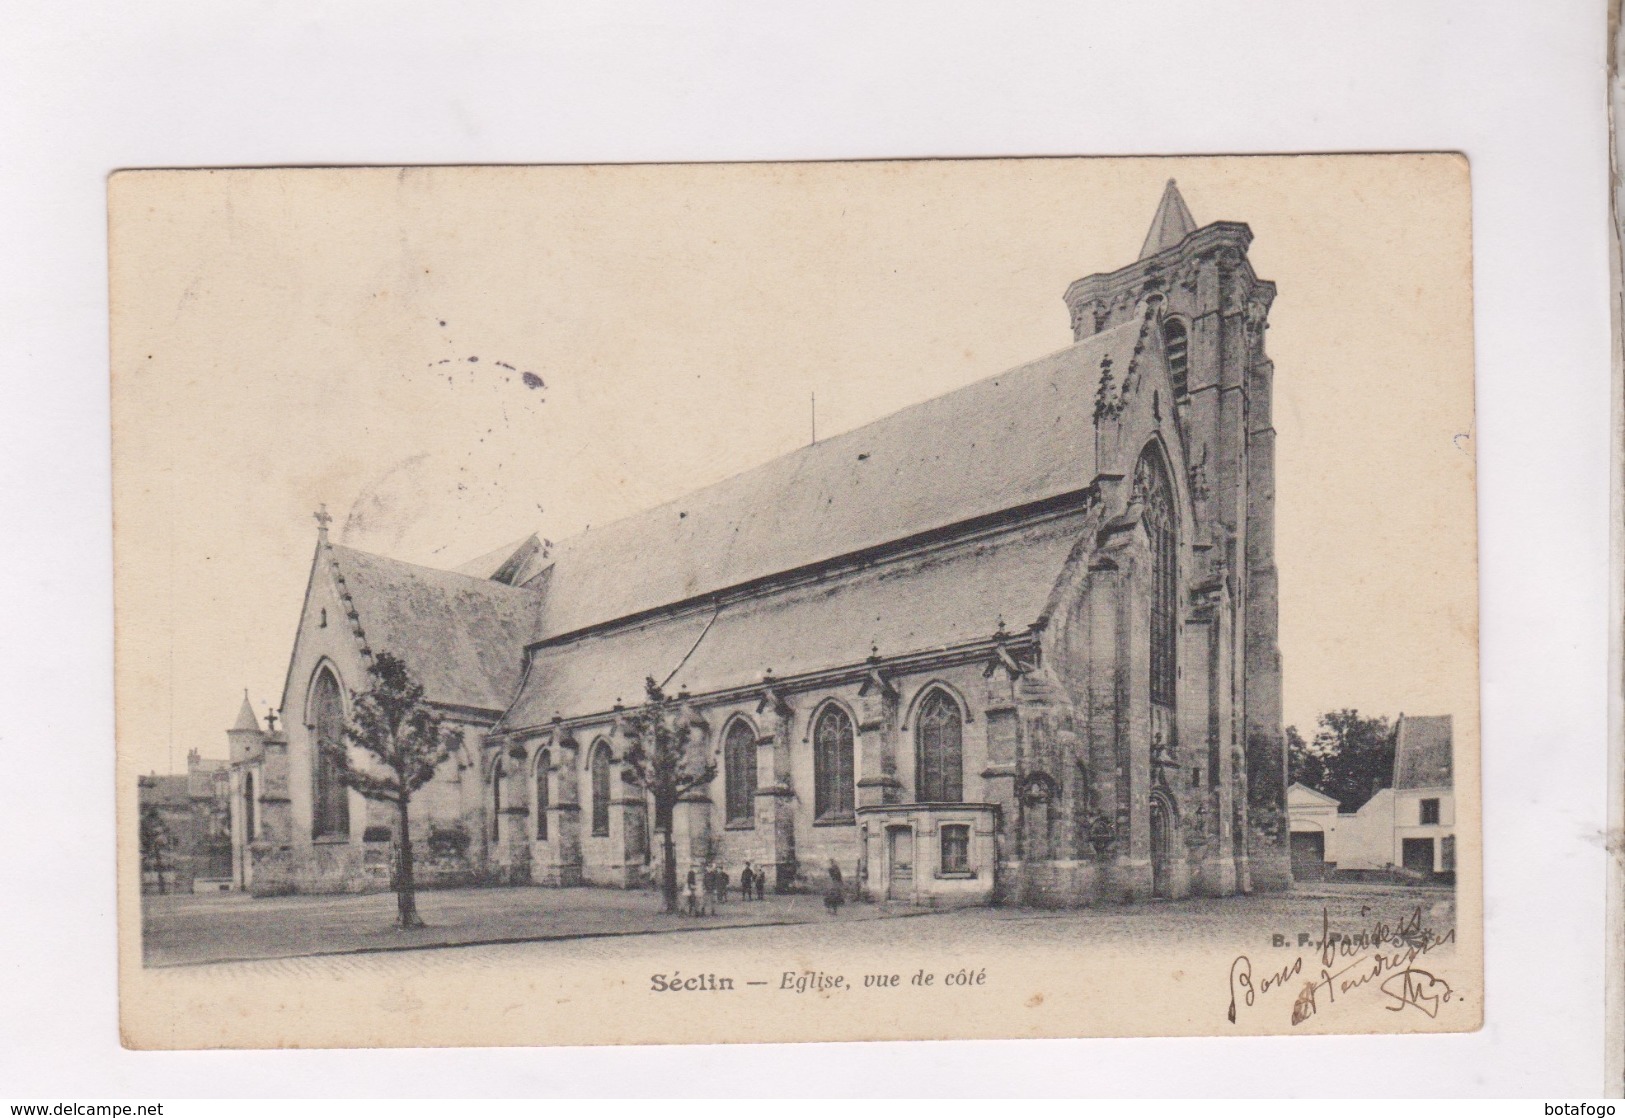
column 739, row 773
column 1152, row 487
column 600, row 789
column 543, row 763
column 832, row 764
column 330, row 813
column 939, row 733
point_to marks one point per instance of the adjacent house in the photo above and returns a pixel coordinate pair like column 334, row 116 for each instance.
column 1424, row 836
column 1408, row 828
column 186, row 840
column 1314, row 832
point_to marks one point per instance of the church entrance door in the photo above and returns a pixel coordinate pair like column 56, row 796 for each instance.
column 1161, row 826
column 900, row 862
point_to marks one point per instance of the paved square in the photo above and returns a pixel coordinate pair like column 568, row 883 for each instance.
column 179, row 930
column 236, row 927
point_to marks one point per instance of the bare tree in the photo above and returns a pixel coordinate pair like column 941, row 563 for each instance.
column 405, row 741
column 663, row 759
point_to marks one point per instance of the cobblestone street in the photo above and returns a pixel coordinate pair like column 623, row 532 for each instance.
column 314, row 935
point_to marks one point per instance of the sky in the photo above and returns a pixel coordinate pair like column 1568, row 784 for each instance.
column 449, row 359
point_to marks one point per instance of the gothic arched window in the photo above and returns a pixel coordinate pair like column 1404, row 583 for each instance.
column 496, row 799
column 739, row 773
column 832, row 764
column 1176, row 344
column 939, row 736
column 544, row 761
column 330, row 809
column 248, row 807
column 1152, row 487
column 600, row 789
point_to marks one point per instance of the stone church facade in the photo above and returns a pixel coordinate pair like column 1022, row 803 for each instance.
column 1014, row 644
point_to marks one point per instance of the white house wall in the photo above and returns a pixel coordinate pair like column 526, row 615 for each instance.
column 1407, row 822
column 1365, row 838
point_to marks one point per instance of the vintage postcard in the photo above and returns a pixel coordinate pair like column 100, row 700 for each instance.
column 791, row 602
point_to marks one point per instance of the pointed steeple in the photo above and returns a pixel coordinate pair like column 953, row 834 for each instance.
column 245, row 717
column 1172, row 224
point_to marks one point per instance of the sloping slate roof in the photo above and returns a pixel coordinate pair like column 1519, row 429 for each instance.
column 487, row 565
column 505, row 563
column 909, row 605
column 462, row 637
column 171, row 789
column 1422, row 755
column 1019, row 437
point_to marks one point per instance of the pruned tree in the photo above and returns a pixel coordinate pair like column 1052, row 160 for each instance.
column 403, row 741
column 1350, row 759
column 156, row 842
column 664, row 761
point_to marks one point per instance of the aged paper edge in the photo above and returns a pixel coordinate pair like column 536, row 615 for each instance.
column 1469, row 901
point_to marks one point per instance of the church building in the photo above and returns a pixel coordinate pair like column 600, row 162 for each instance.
column 1015, row 644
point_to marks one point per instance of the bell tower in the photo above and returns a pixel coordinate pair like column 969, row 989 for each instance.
column 245, row 738
column 1211, row 311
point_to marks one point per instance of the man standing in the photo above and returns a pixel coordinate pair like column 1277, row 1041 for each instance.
column 835, row 895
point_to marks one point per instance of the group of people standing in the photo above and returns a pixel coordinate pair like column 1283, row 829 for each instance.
column 709, row 888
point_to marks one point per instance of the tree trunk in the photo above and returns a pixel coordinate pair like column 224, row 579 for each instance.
column 406, row 902
column 668, row 862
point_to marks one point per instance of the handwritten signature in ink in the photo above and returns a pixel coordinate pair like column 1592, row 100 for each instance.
column 1419, row 988
column 1381, row 953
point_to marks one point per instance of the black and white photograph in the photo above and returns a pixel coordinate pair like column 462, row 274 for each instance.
column 896, row 600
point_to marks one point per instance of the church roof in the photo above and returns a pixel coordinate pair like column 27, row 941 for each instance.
column 461, row 636
column 246, row 719
column 1422, row 753
column 1023, row 436
column 505, row 563
column 1171, row 224
column 913, row 604
column 487, row 565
